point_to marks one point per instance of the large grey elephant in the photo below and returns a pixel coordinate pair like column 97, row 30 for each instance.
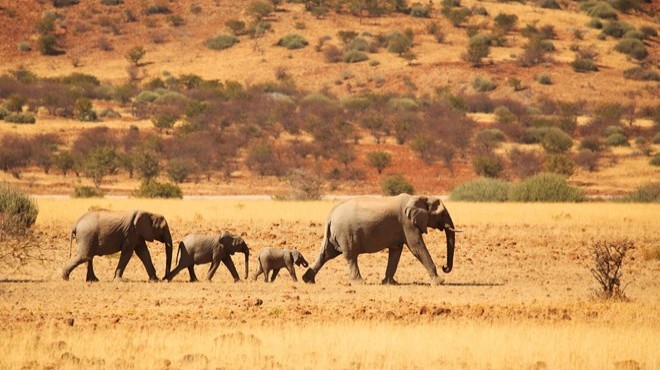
column 99, row 233
column 272, row 259
column 368, row 225
column 197, row 249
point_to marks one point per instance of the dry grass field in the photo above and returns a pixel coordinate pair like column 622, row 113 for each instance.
column 520, row 296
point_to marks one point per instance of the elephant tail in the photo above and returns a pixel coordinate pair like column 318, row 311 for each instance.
column 71, row 236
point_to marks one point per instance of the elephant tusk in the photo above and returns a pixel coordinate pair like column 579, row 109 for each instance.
column 447, row 227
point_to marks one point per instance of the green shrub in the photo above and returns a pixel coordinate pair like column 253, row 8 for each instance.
column 260, row 9
column 478, row 48
column 163, row 121
column 178, row 170
column 420, row 11
column 505, row 22
column 556, row 141
column 398, row 43
column 560, row 164
column 63, row 3
column 236, row 26
column 488, row 165
column 582, row 65
column 634, row 34
column 544, row 79
column 293, row 41
column 648, row 31
column 155, row 189
column 545, row 187
column 355, row 56
column 617, row 29
column 146, row 96
column 549, row 4
column 112, row 2
column 613, row 129
column 617, row 139
column 489, row 138
column 595, row 23
column 641, row 74
column 20, row 118
column 655, row 161
column 158, row 9
column 456, row 16
column 87, row 192
column 358, row 44
column 599, row 9
column 395, row 185
column 647, row 193
column 482, row 190
column 592, row 143
column 47, row 45
column 18, row 211
column 656, row 138
column 221, row 42
column 587, row 159
column 633, row 47
column 483, row 84
column 3, row 112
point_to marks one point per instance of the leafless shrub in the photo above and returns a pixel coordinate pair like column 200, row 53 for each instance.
column 608, row 261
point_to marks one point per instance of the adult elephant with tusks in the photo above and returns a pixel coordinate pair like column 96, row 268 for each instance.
column 368, row 225
column 100, row 233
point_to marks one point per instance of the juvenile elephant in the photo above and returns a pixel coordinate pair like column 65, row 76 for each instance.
column 274, row 259
column 198, row 249
column 367, row 225
column 99, row 233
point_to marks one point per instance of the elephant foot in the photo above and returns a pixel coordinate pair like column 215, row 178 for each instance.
column 309, row 276
column 118, row 279
column 93, row 279
column 390, row 281
column 64, row 275
column 154, row 280
column 437, row 280
column 357, row 281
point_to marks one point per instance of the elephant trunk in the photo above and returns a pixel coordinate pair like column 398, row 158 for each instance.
column 451, row 240
column 168, row 253
column 247, row 261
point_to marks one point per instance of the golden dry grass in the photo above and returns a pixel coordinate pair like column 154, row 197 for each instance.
column 520, row 296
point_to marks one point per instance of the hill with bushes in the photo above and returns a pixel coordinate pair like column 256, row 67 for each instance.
column 232, row 97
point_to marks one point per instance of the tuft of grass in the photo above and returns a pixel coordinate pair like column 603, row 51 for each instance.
column 18, row 211
column 293, row 41
column 647, row 193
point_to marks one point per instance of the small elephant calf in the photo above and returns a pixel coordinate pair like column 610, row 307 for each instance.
column 197, row 249
column 271, row 259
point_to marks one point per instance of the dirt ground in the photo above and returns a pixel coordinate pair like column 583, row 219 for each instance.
column 520, row 296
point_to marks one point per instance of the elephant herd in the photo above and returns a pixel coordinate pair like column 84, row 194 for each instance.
column 354, row 227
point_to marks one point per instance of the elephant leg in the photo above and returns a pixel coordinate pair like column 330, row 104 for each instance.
column 422, row 254
column 124, row 257
column 72, row 264
column 259, row 272
column 292, row 272
column 143, row 253
column 91, row 277
column 230, row 266
column 392, row 263
column 328, row 252
column 175, row 271
column 191, row 272
column 353, row 269
column 214, row 267
column 275, row 272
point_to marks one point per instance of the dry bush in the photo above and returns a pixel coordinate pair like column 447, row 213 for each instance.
column 608, row 261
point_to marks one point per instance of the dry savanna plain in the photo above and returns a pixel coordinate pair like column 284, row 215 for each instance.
column 520, row 296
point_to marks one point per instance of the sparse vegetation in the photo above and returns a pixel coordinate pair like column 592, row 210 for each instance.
column 293, row 41
column 608, row 262
column 545, row 187
column 221, row 42
column 482, row 190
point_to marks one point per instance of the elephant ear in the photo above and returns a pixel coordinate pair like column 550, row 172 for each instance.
column 144, row 225
column 295, row 255
column 418, row 213
column 226, row 240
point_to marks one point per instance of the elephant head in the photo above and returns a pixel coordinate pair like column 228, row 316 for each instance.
column 233, row 244
column 298, row 259
column 426, row 212
column 150, row 227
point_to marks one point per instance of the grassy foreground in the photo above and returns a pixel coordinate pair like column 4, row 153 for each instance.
column 520, row 296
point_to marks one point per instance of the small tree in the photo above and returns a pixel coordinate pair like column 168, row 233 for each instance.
column 260, row 9
column 478, row 48
column 379, row 160
column 99, row 163
column 135, row 55
column 608, row 260
column 395, row 185
column 489, row 165
column 64, row 161
column 147, row 165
